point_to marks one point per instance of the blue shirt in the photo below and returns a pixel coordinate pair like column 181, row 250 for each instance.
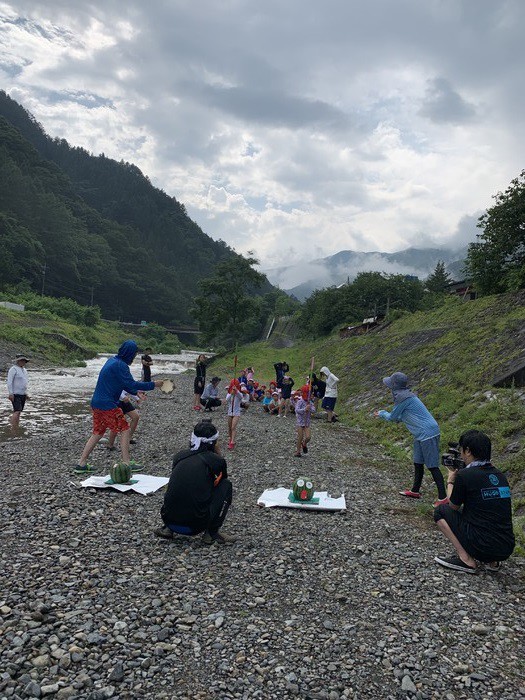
column 115, row 377
column 416, row 416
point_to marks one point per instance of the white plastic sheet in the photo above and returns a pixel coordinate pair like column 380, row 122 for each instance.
column 145, row 483
column 278, row 498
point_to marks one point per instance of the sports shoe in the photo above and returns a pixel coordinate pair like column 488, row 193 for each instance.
column 208, row 538
column 410, row 494
column 196, row 408
column 231, row 445
column 305, row 448
column 456, row 564
column 440, row 502
column 87, row 469
column 298, row 454
column 163, row 532
column 493, row 566
column 132, row 442
column 136, row 467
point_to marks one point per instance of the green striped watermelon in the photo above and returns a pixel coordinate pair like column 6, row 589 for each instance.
column 303, row 489
column 120, row 473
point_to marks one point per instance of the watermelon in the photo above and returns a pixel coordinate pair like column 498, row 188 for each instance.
column 120, row 473
column 303, row 489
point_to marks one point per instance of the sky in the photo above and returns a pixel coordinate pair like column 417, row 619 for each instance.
column 291, row 129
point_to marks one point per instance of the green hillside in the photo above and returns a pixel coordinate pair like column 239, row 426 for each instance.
column 452, row 355
column 94, row 229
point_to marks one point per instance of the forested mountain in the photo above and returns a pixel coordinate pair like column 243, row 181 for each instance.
column 92, row 228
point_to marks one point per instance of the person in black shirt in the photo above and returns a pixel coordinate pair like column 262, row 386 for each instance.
column 199, row 382
column 199, row 492
column 318, row 390
column 281, row 368
column 482, row 530
column 146, row 365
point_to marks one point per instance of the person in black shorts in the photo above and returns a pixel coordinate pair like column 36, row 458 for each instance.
column 146, row 365
column 199, row 492
column 482, row 530
column 128, row 403
column 200, row 381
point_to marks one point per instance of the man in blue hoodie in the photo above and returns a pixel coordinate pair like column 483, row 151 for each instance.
column 114, row 378
column 411, row 411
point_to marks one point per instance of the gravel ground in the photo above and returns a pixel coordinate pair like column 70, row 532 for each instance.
column 307, row 605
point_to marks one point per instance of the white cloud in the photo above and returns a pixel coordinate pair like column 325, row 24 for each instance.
column 289, row 132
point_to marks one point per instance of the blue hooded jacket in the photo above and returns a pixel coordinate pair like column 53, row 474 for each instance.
column 115, row 377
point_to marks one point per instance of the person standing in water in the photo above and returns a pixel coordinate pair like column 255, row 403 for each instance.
column 17, row 388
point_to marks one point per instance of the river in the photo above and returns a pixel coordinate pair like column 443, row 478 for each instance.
column 59, row 395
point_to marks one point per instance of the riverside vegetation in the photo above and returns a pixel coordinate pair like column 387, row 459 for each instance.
column 60, row 331
column 452, row 355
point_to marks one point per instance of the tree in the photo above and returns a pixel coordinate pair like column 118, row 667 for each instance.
column 496, row 261
column 439, row 279
column 226, row 309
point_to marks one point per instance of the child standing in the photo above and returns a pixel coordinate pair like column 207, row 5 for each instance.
column 304, row 408
column 286, row 392
column 233, row 401
column 411, row 411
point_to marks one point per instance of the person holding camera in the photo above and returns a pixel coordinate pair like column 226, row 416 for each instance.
column 478, row 519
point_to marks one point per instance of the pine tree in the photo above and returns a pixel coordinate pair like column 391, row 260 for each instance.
column 439, row 279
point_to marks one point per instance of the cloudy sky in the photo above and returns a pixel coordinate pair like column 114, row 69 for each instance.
column 294, row 129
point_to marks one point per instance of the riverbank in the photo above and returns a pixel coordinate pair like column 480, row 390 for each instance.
column 312, row 605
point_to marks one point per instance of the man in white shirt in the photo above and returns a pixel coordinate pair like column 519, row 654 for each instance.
column 17, row 388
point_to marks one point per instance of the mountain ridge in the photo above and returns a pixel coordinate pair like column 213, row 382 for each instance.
column 338, row 268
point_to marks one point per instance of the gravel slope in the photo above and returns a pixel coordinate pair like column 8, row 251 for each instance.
column 307, row 605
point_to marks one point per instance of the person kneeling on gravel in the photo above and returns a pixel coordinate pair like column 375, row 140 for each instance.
column 199, row 492
column 482, row 531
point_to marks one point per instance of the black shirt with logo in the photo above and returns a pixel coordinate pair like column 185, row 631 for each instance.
column 190, row 487
column 484, row 493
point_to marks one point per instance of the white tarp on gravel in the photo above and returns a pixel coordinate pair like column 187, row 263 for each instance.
column 278, row 498
column 145, row 483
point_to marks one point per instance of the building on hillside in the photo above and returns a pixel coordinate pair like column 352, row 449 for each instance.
column 366, row 325
column 463, row 288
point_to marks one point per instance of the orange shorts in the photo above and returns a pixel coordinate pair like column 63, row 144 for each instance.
column 109, row 420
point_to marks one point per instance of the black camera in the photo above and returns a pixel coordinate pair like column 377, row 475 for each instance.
column 451, row 459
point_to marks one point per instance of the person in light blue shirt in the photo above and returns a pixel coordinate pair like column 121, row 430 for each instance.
column 411, row 411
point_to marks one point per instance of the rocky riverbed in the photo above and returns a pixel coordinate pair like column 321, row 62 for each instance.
column 306, row 605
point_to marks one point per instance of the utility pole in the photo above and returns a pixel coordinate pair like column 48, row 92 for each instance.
column 43, row 278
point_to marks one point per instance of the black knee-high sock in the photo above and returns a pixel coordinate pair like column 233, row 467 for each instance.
column 419, row 470
column 440, row 483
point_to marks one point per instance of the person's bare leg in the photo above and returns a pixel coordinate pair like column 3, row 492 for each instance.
column 306, row 436
column 125, row 437
column 329, row 415
column 235, row 420
column 465, row 557
column 88, row 449
column 15, row 420
column 111, row 439
column 230, row 421
column 134, row 421
column 299, row 443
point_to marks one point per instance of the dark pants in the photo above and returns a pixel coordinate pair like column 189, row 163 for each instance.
column 220, row 502
column 211, row 403
column 19, row 401
column 470, row 540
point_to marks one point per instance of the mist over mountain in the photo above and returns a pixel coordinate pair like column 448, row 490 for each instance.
column 302, row 279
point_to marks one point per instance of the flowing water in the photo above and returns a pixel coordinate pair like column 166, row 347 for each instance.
column 58, row 396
